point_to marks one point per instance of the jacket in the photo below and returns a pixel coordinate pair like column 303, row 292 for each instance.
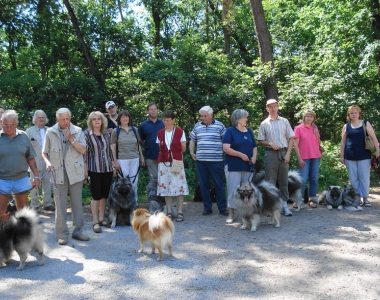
column 165, row 155
column 73, row 162
column 35, row 138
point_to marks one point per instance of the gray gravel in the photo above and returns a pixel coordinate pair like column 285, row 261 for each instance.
column 316, row 254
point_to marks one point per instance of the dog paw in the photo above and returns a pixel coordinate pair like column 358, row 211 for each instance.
column 140, row 250
column 159, row 258
column 277, row 226
column 20, row 268
column 243, row 227
column 253, row 229
column 113, row 225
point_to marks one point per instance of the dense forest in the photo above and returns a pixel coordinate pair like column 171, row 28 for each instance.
column 318, row 54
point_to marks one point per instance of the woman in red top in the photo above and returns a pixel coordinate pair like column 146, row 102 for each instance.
column 172, row 143
column 306, row 145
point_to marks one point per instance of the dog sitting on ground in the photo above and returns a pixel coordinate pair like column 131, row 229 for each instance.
column 23, row 234
column 121, row 202
column 258, row 200
column 294, row 186
column 157, row 203
column 157, row 229
column 351, row 198
column 332, row 198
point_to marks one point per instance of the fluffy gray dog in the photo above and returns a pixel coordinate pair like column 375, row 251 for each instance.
column 333, row 197
column 157, row 203
column 351, row 198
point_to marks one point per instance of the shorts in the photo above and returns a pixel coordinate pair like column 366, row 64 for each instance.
column 17, row 186
column 100, row 184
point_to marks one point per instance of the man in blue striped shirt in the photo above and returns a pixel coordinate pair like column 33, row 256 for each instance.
column 277, row 136
column 207, row 136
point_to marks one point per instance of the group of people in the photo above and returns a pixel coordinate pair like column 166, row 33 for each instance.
column 62, row 156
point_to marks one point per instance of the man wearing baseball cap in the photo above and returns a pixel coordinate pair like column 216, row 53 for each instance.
column 111, row 114
column 277, row 136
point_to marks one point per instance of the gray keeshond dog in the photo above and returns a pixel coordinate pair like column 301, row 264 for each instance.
column 333, row 197
column 121, row 202
column 23, row 234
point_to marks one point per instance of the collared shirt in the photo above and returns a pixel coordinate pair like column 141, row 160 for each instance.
column 276, row 131
column 98, row 152
column 148, row 133
column 209, row 140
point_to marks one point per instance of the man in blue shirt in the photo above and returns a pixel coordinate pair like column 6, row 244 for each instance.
column 148, row 134
column 111, row 114
column 207, row 135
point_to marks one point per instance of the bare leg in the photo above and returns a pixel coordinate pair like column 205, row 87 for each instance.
column 169, row 201
column 95, row 211
column 180, row 199
column 21, row 200
column 3, row 207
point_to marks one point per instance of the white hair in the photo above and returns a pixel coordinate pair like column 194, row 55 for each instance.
column 207, row 109
column 62, row 110
column 39, row 111
column 10, row 114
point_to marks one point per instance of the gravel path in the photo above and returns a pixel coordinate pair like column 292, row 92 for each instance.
column 316, row 254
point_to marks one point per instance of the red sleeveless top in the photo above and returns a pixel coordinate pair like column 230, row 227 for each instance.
column 175, row 147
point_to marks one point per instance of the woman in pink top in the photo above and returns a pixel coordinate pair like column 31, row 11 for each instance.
column 306, row 145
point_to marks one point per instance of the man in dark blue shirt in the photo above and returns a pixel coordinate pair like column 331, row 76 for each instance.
column 111, row 114
column 148, row 133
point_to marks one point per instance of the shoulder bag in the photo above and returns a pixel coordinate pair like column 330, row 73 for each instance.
column 369, row 145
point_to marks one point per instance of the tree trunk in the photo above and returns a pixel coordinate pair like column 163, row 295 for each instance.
column 265, row 46
column 86, row 51
column 120, row 10
column 226, row 19
column 376, row 29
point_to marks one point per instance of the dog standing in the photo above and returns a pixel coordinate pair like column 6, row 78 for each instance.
column 157, row 229
column 333, row 197
column 23, row 234
column 121, row 202
column 253, row 201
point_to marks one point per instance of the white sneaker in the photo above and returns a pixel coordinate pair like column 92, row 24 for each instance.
column 340, row 207
column 286, row 211
column 329, row 207
column 351, row 208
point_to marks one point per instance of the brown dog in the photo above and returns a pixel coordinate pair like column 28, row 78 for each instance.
column 157, row 229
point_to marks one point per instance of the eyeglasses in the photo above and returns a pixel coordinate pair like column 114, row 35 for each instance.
column 9, row 125
column 96, row 119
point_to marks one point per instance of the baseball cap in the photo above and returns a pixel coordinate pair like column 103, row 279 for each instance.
column 270, row 101
column 110, row 103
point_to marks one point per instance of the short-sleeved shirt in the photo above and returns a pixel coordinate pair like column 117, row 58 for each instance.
column 209, row 140
column 127, row 143
column 308, row 143
column 276, row 131
column 148, row 133
column 98, row 152
column 354, row 149
column 15, row 153
column 243, row 142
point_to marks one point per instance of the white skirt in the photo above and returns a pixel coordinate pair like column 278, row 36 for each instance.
column 170, row 184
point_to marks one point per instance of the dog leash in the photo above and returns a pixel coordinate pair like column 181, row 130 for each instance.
column 252, row 171
column 120, row 173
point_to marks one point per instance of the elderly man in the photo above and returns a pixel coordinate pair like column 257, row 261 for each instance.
column 36, row 135
column 111, row 114
column 277, row 136
column 148, row 133
column 63, row 153
column 207, row 136
column 16, row 155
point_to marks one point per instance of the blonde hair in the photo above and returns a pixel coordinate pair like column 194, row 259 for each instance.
column 309, row 111
column 103, row 128
column 350, row 109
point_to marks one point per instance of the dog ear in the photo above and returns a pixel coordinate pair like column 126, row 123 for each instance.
column 330, row 187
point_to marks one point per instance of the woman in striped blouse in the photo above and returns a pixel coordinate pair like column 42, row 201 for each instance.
column 98, row 166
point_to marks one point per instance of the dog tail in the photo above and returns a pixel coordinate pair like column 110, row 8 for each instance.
column 27, row 215
column 160, row 222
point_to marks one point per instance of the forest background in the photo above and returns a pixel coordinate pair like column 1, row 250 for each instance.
column 322, row 55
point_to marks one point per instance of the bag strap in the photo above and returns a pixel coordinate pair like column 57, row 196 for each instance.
column 365, row 128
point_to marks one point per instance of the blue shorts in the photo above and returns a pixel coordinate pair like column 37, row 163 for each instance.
column 8, row 187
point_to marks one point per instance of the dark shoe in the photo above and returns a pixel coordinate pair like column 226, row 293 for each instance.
column 49, row 208
column 104, row 224
column 180, row 217
column 80, row 237
column 62, row 241
column 170, row 216
column 96, row 228
column 224, row 212
column 207, row 212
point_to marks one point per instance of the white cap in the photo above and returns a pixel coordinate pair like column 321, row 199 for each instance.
column 270, row 101
column 110, row 103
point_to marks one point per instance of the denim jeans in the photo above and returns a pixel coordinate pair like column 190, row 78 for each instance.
column 359, row 173
column 205, row 169
column 310, row 172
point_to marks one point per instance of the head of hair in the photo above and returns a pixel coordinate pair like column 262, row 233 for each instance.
column 207, row 109
column 168, row 114
column 309, row 111
column 151, row 104
column 103, row 128
column 39, row 111
column 124, row 112
column 62, row 110
column 237, row 115
column 350, row 109
column 10, row 114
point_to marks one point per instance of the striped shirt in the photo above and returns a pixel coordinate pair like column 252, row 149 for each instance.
column 276, row 131
column 209, row 140
column 98, row 153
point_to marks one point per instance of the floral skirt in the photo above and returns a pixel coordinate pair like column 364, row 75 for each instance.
column 170, row 184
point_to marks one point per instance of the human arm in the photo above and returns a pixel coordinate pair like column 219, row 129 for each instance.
column 301, row 163
column 33, row 167
column 372, row 135
column 269, row 144
column 77, row 145
column 290, row 147
column 183, row 145
column 342, row 144
column 254, row 155
column 115, row 163
column 192, row 149
column 228, row 150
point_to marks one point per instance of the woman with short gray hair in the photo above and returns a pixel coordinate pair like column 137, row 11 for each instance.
column 241, row 153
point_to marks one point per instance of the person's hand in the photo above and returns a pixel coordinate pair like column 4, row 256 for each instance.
column 287, row 157
column 116, row 165
column 244, row 157
column 193, row 156
column 142, row 162
column 48, row 166
column 36, row 182
column 301, row 164
column 66, row 132
column 253, row 160
column 342, row 160
column 274, row 146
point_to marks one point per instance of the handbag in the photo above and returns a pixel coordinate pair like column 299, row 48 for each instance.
column 369, row 145
column 176, row 165
column 374, row 162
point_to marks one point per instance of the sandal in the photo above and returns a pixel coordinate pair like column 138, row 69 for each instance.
column 312, row 204
column 180, row 218
column 295, row 205
column 104, row 224
column 169, row 216
column 97, row 229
